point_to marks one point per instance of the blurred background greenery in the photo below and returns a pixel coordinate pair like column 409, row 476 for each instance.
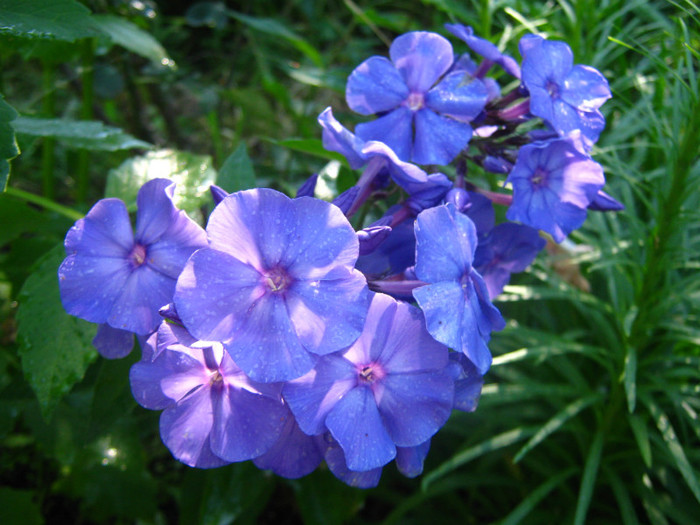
column 589, row 414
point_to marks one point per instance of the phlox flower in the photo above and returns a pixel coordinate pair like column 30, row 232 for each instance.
column 390, row 388
column 213, row 413
column 119, row 278
column 277, row 283
column 456, row 304
column 424, row 112
column 554, row 182
column 566, row 96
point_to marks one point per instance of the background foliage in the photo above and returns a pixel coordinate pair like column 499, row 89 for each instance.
column 589, row 413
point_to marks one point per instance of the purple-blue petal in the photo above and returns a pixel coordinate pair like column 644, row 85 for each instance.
column 356, row 424
column 375, row 86
column 395, row 129
column 421, row 58
column 458, row 96
column 337, row 138
column 335, row 458
column 104, row 232
column 585, row 88
column 113, row 343
column 156, row 210
column 409, row 460
column 438, row 139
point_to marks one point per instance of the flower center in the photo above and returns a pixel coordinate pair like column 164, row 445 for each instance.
column 552, row 88
column 370, row 373
column 539, row 178
column 138, row 255
column 216, row 378
column 415, row 101
column 277, row 279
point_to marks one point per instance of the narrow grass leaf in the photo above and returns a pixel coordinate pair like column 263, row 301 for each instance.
column 674, row 446
column 622, row 495
column 497, row 442
column 556, row 422
column 641, row 436
column 8, row 143
column 588, row 482
column 630, row 378
column 535, row 497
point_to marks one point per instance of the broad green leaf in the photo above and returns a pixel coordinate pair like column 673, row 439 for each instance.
column 327, row 182
column 235, row 493
column 588, row 481
column 132, row 37
column 322, row 499
column 88, row 134
column 18, row 506
column 8, row 143
column 17, row 217
column 55, row 348
column 192, row 173
column 499, row 441
column 275, row 28
column 311, row 146
column 66, row 20
column 556, row 422
column 237, row 173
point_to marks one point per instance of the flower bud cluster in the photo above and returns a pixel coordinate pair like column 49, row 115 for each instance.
column 288, row 335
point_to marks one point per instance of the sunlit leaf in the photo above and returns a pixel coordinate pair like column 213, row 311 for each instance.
column 66, row 20
column 55, row 348
column 237, row 173
column 87, row 134
column 192, row 173
column 8, row 143
column 130, row 36
column 588, row 481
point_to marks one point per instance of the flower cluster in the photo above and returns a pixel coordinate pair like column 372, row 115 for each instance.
column 288, row 335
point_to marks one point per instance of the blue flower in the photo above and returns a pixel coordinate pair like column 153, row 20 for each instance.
column 565, row 95
column 456, row 304
column 121, row 279
column 423, row 115
column 277, row 283
column 389, row 389
column 213, row 413
column 553, row 185
column 484, row 48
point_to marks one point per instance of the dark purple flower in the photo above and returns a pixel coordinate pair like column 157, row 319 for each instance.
column 390, row 389
column 456, row 304
column 120, row 278
column 553, row 185
column 565, row 95
column 277, row 283
column 213, row 413
column 424, row 115
column 507, row 249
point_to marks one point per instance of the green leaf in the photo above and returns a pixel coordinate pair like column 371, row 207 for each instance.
column 536, row 496
column 630, row 378
column 17, row 217
column 237, row 173
column 55, row 348
column 88, row 134
column 58, row 19
column 310, row 146
column 674, row 446
column 132, row 37
column 8, row 143
column 235, row 493
column 17, row 506
column 641, row 436
column 588, row 482
column 322, row 499
column 275, row 28
column 499, row 441
column 556, row 422
column 192, row 173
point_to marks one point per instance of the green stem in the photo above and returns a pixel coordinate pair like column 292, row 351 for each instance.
column 48, row 146
column 45, row 203
column 86, row 113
